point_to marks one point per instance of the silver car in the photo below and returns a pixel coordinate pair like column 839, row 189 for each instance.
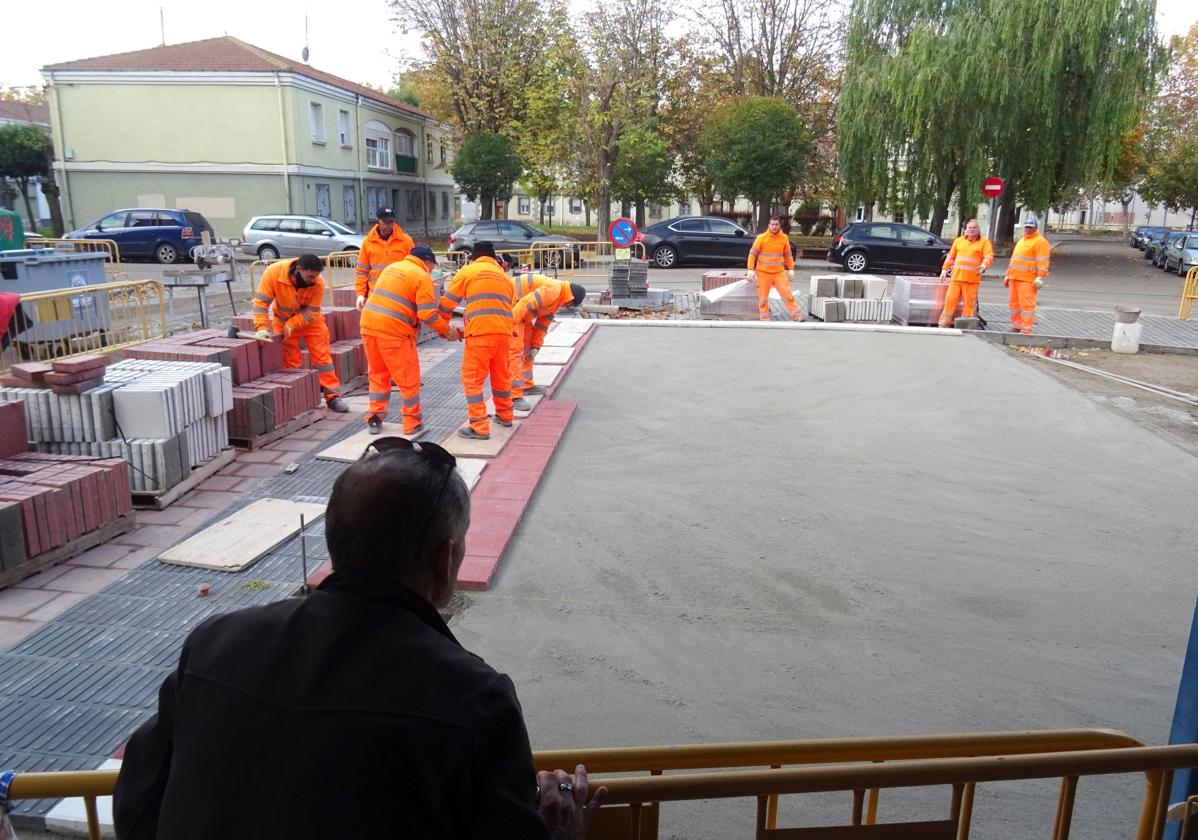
column 1182, row 254
column 271, row 237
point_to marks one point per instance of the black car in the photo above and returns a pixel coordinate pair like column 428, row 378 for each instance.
column 509, row 235
column 1155, row 241
column 697, row 239
column 1142, row 234
column 888, row 246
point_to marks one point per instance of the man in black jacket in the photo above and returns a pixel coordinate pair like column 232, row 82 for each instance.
column 354, row 711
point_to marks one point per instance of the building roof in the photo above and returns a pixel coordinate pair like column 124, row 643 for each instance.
column 223, row 54
column 24, row 112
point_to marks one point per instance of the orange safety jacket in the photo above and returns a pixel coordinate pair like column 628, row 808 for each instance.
column 487, row 292
column 967, row 258
column 402, row 299
column 770, row 253
column 378, row 253
column 1029, row 259
column 537, row 300
column 293, row 307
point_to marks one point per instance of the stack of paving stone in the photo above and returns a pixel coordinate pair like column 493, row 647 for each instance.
column 840, row 297
column 268, row 402
column 715, row 279
column 629, row 279
column 919, row 300
column 345, row 337
column 163, row 418
column 47, row 501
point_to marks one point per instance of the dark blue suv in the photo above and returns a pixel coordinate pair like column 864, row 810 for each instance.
column 164, row 235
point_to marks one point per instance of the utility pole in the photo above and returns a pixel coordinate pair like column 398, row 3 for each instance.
column 162, row 24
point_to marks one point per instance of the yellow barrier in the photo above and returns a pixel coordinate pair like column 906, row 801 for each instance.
column 81, row 246
column 339, row 269
column 88, row 319
column 1189, row 294
column 847, row 764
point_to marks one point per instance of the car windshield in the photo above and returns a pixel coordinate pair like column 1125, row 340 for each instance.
column 339, row 227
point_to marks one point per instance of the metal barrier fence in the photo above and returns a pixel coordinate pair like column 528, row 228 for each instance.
column 82, row 246
column 87, row 319
column 855, row 765
column 1189, row 294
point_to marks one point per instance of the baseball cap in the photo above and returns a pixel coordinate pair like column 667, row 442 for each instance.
column 1030, row 221
column 385, row 213
column 424, row 252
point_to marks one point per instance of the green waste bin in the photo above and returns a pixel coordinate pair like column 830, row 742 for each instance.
column 12, row 231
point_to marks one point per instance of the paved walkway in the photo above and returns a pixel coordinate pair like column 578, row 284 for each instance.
column 1098, row 325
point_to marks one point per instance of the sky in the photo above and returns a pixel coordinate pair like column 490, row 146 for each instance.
column 354, row 39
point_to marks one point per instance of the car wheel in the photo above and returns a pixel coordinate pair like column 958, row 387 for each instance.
column 855, row 262
column 268, row 253
column 166, row 253
column 665, row 256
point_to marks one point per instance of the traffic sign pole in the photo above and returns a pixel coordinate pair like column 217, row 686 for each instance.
column 993, row 187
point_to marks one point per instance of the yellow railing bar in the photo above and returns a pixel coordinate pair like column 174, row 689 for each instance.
column 82, row 246
column 1189, row 294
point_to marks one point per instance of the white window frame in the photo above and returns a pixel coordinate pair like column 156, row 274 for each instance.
column 316, row 121
column 575, row 205
column 405, row 138
column 344, row 131
column 378, row 146
column 524, row 205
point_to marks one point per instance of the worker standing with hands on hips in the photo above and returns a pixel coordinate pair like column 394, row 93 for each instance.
column 403, row 298
column 385, row 244
column 538, row 298
column 294, row 289
column 772, row 266
column 487, row 292
column 1025, row 276
column 967, row 260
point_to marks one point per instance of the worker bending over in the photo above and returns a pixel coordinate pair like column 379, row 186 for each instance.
column 969, row 257
column 293, row 289
column 385, row 244
column 402, row 300
column 538, row 298
column 1025, row 276
column 771, row 266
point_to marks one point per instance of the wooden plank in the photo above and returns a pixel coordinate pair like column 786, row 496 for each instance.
column 160, row 500
column 46, row 559
column 352, row 447
column 460, row 447
column 238, row 540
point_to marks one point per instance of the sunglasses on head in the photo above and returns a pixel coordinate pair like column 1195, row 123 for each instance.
column 431, row 450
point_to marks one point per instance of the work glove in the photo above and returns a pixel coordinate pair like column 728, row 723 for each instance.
column 262, row 335
column 360, row 302
column 530, row 354
column 1006, row 281
column 287, row 330
column 752, row 275
column 944, row 274
column 790, row 276
column 1038, row 282
column 453, row 334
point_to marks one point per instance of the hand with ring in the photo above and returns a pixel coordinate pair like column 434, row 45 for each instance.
column 562, row 801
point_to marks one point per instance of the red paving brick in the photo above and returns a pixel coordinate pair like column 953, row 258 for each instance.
column 490, row 525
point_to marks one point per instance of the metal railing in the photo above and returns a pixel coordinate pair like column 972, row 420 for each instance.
column 1189, row 294
column 862, row 766
column 88, row 319
column 81, row 246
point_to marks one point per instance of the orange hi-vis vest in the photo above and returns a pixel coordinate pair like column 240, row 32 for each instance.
column 378, row 253
column 1029, row 259
column 967, row 258
column 537, row 300
column 770, row 253
column 293, row 307
column 487, row 292
column 402, row 299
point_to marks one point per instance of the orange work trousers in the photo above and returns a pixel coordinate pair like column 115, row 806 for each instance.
column 959, row 291
column 1023, row 305
column 487, row 355
column 521, row 369
column 390, row 359
column 316, row 338
column 775, row 280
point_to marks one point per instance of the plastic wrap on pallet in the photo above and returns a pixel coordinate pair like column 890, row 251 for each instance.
column 918, row 301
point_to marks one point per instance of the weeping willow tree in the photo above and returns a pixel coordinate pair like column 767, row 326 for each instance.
column 938, row 92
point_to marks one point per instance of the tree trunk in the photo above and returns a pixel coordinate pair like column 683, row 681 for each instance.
column 586, row 209
column 869, row 212
column 50, row 191
column 763, row 213
column 23, row 186
column 1125, row 203
column 541, row 211
column 704, row 206
column 1004, row 230
column 486, row 206
column 603, row 198
column 640, row 214
column 625, row 209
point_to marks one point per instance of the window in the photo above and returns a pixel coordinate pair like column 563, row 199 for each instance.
column 881, row 232
column 428, row 149
column 722, row 227
column 113, row 221
column 265, row 224
column 576, row 205
column 432, row 204
column 444, row 205
column 486, row 230
column 523, row 206
column 915, row 237
column 349, row 198
column 316, row 121
column 550, row 209
column 861, row 212
column 291, row 226
column 314, row 228
column 690, row 226
column 376, row 197
column 143, row 218
column 413, row 197
column 514, row 230
column 378, row 146
column 444, row 156
column 684, row 209
column 405, row 143
column 343, row 134
column 654, row 210
column 324, row 204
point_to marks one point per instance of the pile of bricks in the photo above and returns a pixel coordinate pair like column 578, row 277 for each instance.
column 247, row 358
column 47, row 501
column 272, row 400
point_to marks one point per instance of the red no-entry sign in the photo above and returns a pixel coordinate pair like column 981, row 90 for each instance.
column 993, row 187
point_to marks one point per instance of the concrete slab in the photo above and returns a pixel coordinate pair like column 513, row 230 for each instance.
column 870, row 533
column 352, row 447
column 544, row 375
column 571, row 325
column 463, row 447
column 471, row 470
column 555, row 355
column 562, row 338
column 532, row 400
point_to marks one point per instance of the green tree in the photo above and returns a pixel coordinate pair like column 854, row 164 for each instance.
column 485, row 167
column 757, row 147
column 1172, row 126
column 643, row 169
column 695, row 89
column 26, row 153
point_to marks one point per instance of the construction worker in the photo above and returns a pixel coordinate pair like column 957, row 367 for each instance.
column 969, row 257
column 294, row 289
column 538, row 298
column 402, row 299
column 386, row 243
column 1025, row 276
column 486, row 290
column 771, row 266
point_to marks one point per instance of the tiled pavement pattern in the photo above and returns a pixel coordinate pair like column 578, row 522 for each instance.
column 1097, row 324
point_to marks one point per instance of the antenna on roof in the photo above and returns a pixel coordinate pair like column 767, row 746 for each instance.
column 162, row 24
column 304, row 54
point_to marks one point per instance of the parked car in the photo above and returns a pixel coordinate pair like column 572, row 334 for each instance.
column 697, row 239
column 271, row 237
column 888, row 246
column 1143, row 234
column 1158, row 259
column 508, row 235
column 1182, row 254
column 1154, row 241
column 164, row 235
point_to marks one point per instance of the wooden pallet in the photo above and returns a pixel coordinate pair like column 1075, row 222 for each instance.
column 46, row 559
column 278, row 432
column 161, row 499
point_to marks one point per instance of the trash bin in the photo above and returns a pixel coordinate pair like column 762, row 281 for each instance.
column 1128, row 329
column 45, row 270
column 12, row 231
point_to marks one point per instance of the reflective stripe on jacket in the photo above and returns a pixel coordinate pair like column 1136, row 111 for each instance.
column 1029, row 259
column 537, row 300
column 378, row 253
column 487, row 292
column 967, row 258
column 293, row 307
column 771, row 253
column 402, row 299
